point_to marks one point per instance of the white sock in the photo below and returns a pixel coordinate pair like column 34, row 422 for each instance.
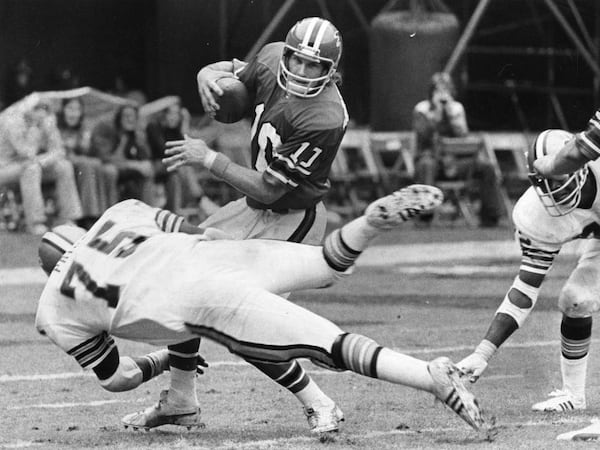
column 574, row 373
column 182, row 391
column 403, row 369
column 313, row 396
column 357, row 234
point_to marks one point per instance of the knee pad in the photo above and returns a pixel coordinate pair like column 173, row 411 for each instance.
column 519, row 310
column 127, row 376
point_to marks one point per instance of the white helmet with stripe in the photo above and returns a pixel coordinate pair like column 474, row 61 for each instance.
column 314, row 39
column 560, row 195
column 56, row 243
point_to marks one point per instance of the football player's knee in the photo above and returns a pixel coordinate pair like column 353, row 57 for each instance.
column 127, row 376
column 576, row 301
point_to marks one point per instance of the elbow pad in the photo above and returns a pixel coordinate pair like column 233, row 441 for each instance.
column 520, row 311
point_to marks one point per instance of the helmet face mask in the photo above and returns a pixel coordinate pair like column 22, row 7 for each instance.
column 315, row 40
column 559, row 195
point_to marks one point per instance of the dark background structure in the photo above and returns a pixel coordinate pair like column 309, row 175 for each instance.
column 523, row 65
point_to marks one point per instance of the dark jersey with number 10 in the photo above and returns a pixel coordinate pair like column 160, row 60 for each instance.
column 294, row 140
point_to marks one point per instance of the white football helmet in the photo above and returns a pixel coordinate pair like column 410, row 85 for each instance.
column 560, row 195
column 315, row 39
column 56, row 243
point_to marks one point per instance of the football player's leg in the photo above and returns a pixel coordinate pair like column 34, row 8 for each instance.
column 322, row 413
column 288, row 267
column 271, row 329
column 578, row 300
column 179, row 404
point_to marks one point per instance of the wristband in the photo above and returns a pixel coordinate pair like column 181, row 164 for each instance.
column 219, row 165
column 486, row 349
column 209, row 159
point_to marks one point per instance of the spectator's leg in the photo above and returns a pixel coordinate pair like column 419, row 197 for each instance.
column 87, row 174
column 147, row 190
column 174, row 191
column 489, row 194
column 30, row 184
column 67, row 198
column 189, row 179
column 426, row 170
column 109, row 189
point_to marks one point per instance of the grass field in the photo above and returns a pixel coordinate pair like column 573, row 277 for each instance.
column 426, row 309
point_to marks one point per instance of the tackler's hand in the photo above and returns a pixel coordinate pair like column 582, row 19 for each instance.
column 200, row 364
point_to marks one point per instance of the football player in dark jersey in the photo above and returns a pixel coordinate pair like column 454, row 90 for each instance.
column 299, row 119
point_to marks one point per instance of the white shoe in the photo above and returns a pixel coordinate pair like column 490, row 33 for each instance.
column 452, row 392
column 324, row 419
column 164, row 413
column 589, row 433
column 560, row 401
column 395, row 209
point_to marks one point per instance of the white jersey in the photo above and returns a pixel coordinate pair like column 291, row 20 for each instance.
column 532, row 220
column 129, row 278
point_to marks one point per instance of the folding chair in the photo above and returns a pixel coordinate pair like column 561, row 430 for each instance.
column 507, row 150
column 393, row 153
column 458, row 191
column 354, row 175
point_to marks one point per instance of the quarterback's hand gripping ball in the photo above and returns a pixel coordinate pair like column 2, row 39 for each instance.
column 234, row 104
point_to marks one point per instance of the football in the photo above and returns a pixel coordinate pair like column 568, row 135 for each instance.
column 235, row 101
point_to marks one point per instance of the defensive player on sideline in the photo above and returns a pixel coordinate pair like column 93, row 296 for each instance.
column 551, row 213
column 299, row 119
column 128, row 277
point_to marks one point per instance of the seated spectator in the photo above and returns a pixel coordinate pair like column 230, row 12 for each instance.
column 123, row 145
column 96, row 180
column 182, row 186
column 443, row 116
column 31, row 152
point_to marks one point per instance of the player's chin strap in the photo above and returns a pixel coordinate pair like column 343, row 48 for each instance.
column 519, row 312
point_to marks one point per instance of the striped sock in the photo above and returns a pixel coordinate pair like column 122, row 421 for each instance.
column 356, row 353
column 289, row 375
column 575, row 341
column 152, row 364
column 184, row 356
column 337, row 253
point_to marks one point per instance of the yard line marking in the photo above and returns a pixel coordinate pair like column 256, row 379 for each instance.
column 456, row 270
column 67, row 375
column 22, row 275
column 71, row 404
column 20, row 444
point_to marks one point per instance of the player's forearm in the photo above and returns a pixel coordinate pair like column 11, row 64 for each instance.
column 220, row 66
column 566, row 161
column 501, row 328
column 248, row 181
